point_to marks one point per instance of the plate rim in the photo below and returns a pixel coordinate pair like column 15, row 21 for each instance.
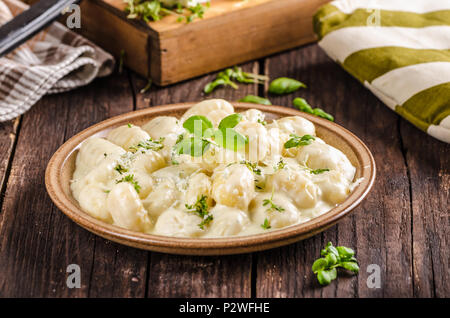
column 207, row 246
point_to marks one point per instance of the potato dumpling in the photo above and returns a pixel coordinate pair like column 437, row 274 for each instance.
column 233, row 186
column 199, row 185
column 227, row 221
column 334, row 185
column 214, row 109
column 319, row 155
column 295, row 125
column 92, row 199
column 297, row 185
column 282, row 214
column 174, row 222
column 127, row 136
column 94, row 151
column 258, row 142
column 141, row 168
column 254, row 116
column 165, row 129
column 126, row 208
column 163, row 195
column 101, row 176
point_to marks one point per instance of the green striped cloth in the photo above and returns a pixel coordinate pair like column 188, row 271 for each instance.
column 399, row 49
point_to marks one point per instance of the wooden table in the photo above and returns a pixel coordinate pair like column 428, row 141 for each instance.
column 403, row 225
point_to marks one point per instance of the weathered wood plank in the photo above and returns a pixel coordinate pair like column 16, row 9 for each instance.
column 8, row 131
column 428, row 161
column 37, row 241
column 379, row 230
column 183, row 276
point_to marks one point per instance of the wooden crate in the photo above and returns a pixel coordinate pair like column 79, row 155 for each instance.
column 231, row 32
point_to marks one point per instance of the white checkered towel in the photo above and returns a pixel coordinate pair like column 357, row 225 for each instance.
column 53, row 61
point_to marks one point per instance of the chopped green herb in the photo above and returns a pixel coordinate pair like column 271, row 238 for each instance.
column 280, row 165
column 297, row 141
column 149, row 144
column 107, row 191
column 201, row 209
column 266, row 224
column 252, row 166
column 120, row 169
column 262, row 122
column 319, row 171
column 129, row 125
column 332, row 258
column 272, row 205
column 130, row 178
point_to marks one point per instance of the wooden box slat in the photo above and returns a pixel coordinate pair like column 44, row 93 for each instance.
column 231, row 32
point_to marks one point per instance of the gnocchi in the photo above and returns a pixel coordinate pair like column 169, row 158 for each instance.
column 165, row 178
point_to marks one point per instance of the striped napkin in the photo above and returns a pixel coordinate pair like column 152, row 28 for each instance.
column 53, row 61
column 399, row 49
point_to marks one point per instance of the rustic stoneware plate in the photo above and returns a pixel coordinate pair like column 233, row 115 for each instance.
column 62, row 164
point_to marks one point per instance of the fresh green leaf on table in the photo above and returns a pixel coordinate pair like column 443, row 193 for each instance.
column 284, row 85
column 332, row 258
column 303, row 106
column 255, row 100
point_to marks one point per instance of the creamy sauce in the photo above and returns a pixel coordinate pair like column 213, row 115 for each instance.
column 135, row 180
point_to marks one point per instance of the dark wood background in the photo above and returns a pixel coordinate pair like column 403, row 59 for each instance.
column 403, row 225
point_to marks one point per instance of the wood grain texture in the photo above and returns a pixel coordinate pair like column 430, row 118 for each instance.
column 184, row 276
column 379, row 230
column 37, row 241
column 8, row 131
column 403, row 225
column 428, row 163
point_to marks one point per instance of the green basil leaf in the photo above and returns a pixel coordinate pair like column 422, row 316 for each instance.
column 326, row 276
column 297, row 141
column 193, row 146
column 197, row 125
column 255, row 100
column 230, row 139
column 319, row 171
column 284, row 85
column 331, row 259
column 331, row 249
column 344, row 252
column 212, row 85
column 230, row 121
column 351, row 266
column 320, row 113
column 303, row 105
column 319, row 264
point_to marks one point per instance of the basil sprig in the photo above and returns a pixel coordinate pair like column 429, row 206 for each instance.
column 297, row 141
column 228, row 76
column 303, row 106
column 284, row 85
column 201, row 128
column 332, row 258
